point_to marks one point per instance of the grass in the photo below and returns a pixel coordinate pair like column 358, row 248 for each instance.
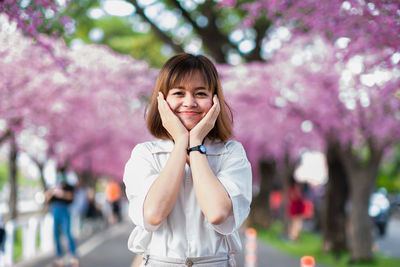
column 311, row 244
column 18, row 244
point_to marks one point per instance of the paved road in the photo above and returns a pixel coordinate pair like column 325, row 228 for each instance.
column 390, row 243
column 109, row 249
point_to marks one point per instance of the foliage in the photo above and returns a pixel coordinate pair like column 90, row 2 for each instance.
column 389, row 173
column 22, row 180
column 33, row 17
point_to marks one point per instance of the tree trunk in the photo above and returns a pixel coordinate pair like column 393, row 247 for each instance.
column 42, row 180
column 336, row 195
column 361, row 183
column 260, row 210
column 12, row 168
column 362, row 178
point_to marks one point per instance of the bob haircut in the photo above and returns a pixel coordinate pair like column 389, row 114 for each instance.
column 174, row 71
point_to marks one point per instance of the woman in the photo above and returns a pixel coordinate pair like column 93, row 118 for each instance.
column 190, row 190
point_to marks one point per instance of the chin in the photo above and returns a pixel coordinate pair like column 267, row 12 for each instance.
column 189, row 126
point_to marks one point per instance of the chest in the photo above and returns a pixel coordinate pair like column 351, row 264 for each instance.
column 215, row 162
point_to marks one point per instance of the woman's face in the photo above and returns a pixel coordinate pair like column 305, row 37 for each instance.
column 190, row 100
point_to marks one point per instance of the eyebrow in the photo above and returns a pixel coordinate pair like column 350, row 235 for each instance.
column 183, row 88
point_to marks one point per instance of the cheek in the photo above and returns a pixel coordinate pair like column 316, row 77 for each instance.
column 207, row 105
column 172, row 103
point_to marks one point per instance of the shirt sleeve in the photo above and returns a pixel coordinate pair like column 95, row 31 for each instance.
column 235, row 175
column 139, row 176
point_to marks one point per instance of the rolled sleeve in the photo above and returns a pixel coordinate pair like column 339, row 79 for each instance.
column 235, row 175
column 139, row 176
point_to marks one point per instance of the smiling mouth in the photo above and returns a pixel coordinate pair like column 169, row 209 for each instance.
column 189, row 112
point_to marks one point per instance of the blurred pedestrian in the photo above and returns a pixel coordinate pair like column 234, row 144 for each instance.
column 60, row 199
column 190, row 190
column 2, row 241
column 78, row 207
column 113, row 194
column 296, row 211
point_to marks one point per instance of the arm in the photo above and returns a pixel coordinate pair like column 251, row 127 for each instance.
column 49, row 194
column 59, row 193
column 163, row 193
column 213, row 199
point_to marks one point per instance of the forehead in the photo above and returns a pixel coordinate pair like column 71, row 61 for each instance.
column 193, row 77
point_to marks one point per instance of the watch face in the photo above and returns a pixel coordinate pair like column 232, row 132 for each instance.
column 202, row 149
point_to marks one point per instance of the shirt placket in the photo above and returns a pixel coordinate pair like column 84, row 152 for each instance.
column 189, row 209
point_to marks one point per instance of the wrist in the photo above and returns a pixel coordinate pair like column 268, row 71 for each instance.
column 195, row 142
column 182, row 142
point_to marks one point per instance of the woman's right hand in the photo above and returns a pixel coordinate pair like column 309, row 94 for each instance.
column 170, row 121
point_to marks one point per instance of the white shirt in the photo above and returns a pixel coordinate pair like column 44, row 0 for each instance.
column 186, row 232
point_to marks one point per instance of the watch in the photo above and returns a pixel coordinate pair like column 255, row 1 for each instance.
column 200, row 148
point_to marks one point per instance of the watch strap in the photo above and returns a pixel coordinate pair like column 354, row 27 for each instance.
column 200, row 148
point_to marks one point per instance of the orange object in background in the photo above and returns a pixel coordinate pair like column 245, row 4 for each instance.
column 275, row 200
column 308, row 209
column 113, row 191
column 307, row 261
column 251, row 248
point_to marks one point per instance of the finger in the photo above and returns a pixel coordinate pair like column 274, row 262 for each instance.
column 214, row 111
column 210, row 116
column 216, row 102
column 161, row 106
column 215, row 99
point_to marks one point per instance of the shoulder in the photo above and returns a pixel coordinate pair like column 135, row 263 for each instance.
column 153, row 146
column 234, row 147
column 224, row 148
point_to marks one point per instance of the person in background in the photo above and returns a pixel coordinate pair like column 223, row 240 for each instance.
column 2, row 241
column 113, row 193
column 60, row 199
column 296, row 210
column 190, row 190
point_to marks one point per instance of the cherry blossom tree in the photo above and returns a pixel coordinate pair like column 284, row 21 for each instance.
column 25, row 86
column 36, row 16
column 274, row 140
column 364, row 25
column 89, row 109
column 109, row 106
column 352, row 104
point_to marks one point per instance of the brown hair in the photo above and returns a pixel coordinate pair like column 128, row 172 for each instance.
column 174, row 71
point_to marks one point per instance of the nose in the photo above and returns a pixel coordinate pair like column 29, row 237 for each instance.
column 189, row 101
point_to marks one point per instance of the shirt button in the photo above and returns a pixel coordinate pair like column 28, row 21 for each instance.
column 189, row 262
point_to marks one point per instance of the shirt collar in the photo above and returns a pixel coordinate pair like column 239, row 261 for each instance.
column 166, row 146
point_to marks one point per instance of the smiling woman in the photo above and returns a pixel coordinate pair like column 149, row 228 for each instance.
column 189, row 193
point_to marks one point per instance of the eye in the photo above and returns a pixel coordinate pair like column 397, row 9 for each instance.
column 177, row 93
column 202, row 94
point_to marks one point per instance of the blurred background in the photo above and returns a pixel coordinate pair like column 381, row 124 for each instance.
column 315, row 92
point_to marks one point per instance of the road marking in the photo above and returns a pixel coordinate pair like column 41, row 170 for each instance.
column 98, row 239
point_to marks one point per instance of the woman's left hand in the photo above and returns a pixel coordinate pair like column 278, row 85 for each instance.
column 200, row 131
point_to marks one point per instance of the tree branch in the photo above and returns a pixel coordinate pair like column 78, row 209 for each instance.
column 261, row 26
column 213, row 40
column 5, row 136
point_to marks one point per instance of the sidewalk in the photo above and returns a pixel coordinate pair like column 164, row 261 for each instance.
column 109, row 249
